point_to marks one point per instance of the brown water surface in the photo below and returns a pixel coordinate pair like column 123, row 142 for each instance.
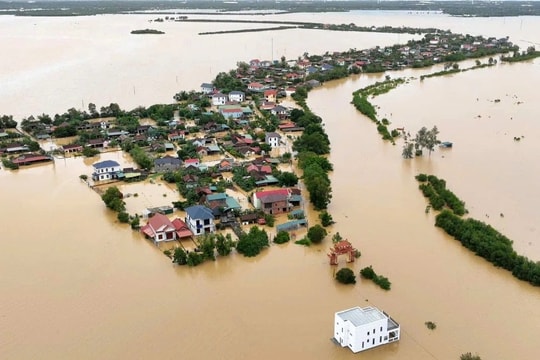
column 75, row 284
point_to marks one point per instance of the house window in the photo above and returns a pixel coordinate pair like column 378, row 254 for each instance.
column 374, row 331
column 368, row 333
column 381, row 328
column 373, row 341
column 362, row 344
column 380, row 338
column 207, row 222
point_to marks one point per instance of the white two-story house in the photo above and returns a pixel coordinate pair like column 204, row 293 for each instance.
column 200, row 219
column 219, row 99
column 272, row 139
column 237, row 96
column 361, row 329
column 105, row 170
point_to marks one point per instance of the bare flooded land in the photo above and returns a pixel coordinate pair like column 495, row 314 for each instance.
column 109, row 294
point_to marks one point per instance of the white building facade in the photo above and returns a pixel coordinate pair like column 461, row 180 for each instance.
column 105, row 170
column 219, row 99
column 361, row 329
column 200, row 220
column 272, row 139
column 237, row 96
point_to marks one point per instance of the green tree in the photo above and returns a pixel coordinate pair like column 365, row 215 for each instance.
column 282, row 237
column 326, row 218
column 431, row 139
column 89, row 152
column 469, row 356
column 224, row 244
column 135, row 222
column 368, row 273
column 337, row 237
column 113, row 199
column 252, row 243
column 408, row 150
column 316, row 234
column 287, row 179
column 180, row 256
column 7, row 122
column 123, row 217
column 141, row 158
column 346, row 276
column 207, row 245
column 194, row 258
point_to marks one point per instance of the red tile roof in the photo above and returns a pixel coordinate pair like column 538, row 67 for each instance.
column 266, row 193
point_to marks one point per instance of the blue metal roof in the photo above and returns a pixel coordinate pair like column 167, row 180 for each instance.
column 199, row 212
column 105, row 164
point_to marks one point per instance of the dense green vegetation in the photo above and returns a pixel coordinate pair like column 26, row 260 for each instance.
column 247, row 30
column 147, row 31
column 8, row 164
column 7, row 122
column 316, row 234
column 252, row 243
column 440, row 73
column 439, row 196
column 530, row 54
column 424, row 139
column 476, row 235
column 282, row 237
column 362, row 104
column 208, row 245
column 326, row 218
column 80, row 8
column 141, row 158
column 369, row 273
column 113, row 199
column 470, row 356
column 89, row 152
column 311, row 145
column 346, row 276
column 490, row 244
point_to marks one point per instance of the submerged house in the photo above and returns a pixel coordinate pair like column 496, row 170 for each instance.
column 200, row 219
column 160, row 228
column 272, row 202
column 361, row 329
column 105, row 170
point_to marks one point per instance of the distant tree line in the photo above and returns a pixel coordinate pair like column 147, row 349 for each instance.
column 439, row 196
column 362, row 104
column 476, row 235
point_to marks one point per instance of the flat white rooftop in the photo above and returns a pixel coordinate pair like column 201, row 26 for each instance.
column 362, row 316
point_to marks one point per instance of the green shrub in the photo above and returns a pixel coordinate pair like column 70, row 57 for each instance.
column 282, row 237
column 368, row 273
column 305, row 242
column 346, row 276
column 316, row 234
column 123, row 217
column 252, row 243
column 326, row 218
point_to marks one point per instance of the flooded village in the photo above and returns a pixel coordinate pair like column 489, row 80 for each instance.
column 223, row 155
column 226, row 157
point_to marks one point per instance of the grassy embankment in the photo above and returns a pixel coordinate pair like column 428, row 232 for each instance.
column 475, row 235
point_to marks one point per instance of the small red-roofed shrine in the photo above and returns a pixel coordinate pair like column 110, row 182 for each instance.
column 341, row 248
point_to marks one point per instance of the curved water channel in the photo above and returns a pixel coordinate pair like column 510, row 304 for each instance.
column 75, row 284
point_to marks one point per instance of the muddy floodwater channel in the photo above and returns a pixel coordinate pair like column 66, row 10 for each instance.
column 76, row 284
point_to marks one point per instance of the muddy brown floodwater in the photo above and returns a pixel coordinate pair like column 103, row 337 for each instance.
column 75, row 284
